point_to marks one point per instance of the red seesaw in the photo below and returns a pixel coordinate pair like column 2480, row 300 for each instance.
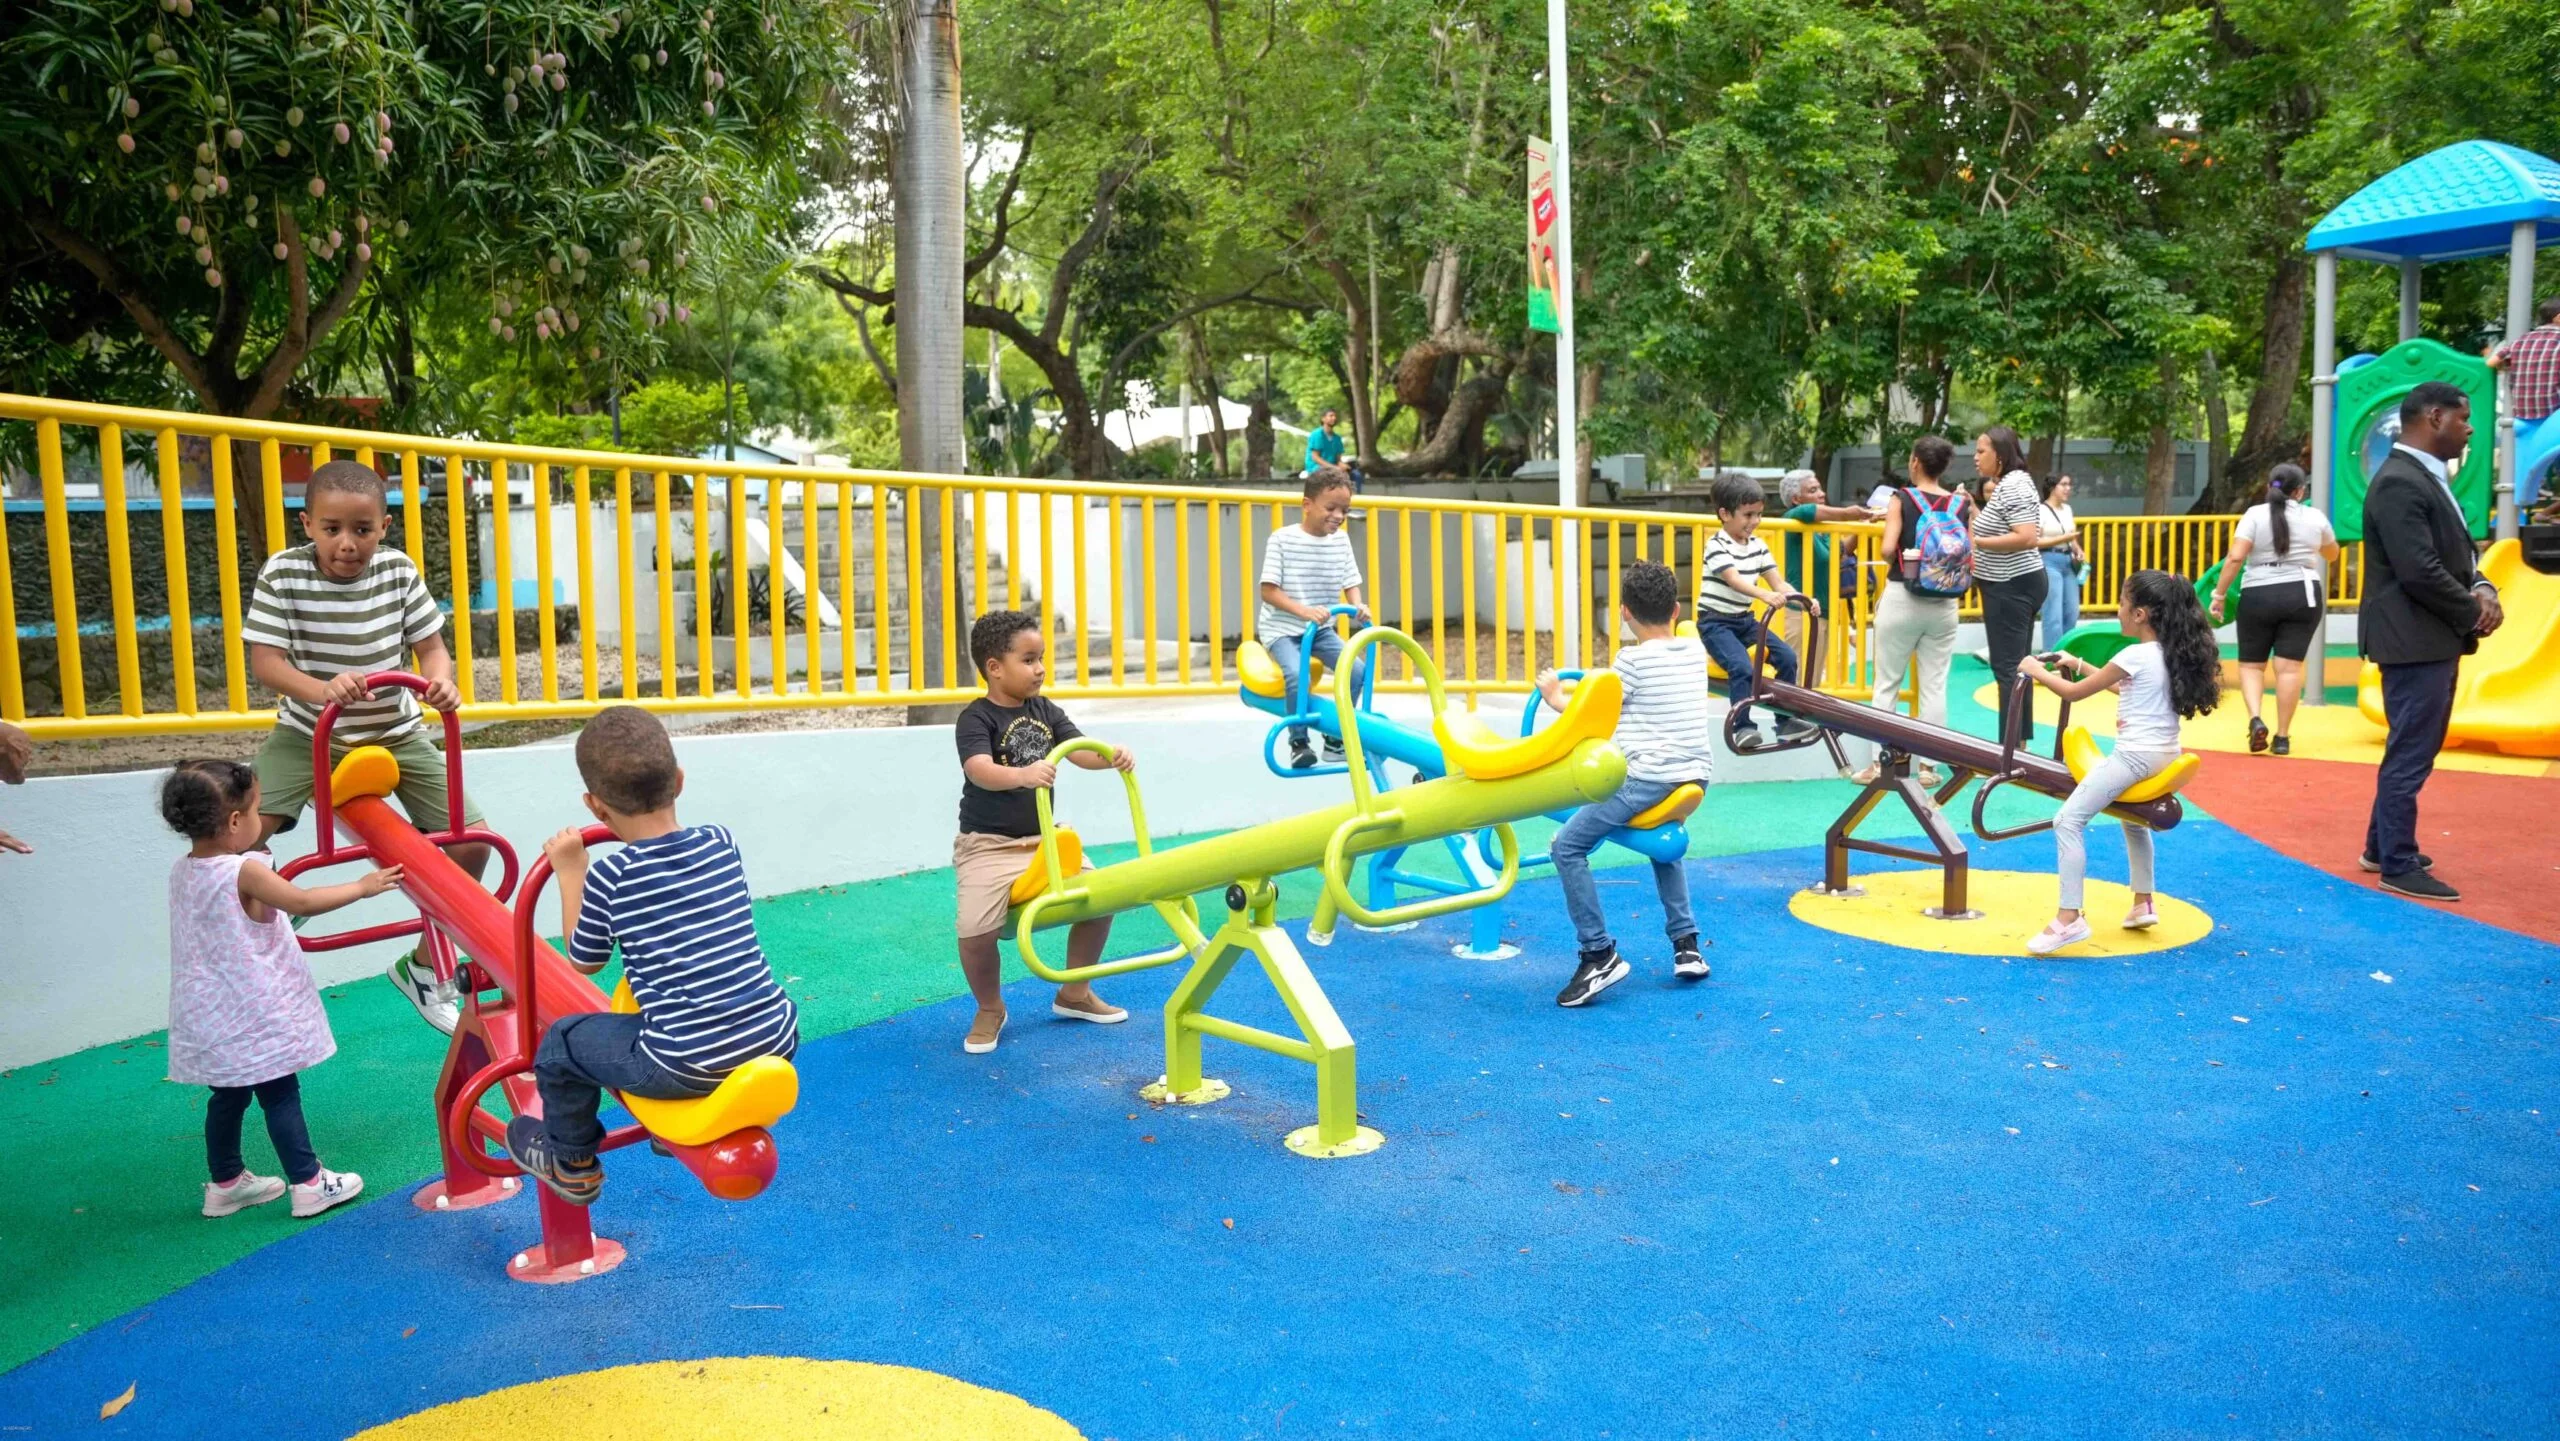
column 721, row 1138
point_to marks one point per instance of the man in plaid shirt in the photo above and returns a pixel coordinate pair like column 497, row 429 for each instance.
column 2535, row 358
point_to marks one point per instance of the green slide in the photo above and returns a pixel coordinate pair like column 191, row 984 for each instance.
column 2097, row 641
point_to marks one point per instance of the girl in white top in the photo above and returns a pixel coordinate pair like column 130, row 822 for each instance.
column 2287, row 547
column 2173, row 669
column 244, row 1016
column 2058, row 539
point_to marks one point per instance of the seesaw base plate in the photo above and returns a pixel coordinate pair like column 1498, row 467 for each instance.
column 535, row 1265
column 1211, row 1089
column 1501, row 952
column 436, row 1195
column 1363, row 1141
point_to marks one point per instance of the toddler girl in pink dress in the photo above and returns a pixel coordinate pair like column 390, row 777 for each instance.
column 244, row 1016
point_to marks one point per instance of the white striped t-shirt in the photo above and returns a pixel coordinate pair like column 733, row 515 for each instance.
column 677, row 905
column 1313, row 570
column 1747, row 558
column 328, row 627
column 2012, row 504
column 1663, row 726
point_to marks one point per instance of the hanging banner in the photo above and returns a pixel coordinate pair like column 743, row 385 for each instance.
column 1542, row 239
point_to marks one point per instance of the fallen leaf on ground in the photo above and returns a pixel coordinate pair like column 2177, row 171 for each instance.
column 1230, row 1222
column 121, row 1402
column 2473, row 1187
column 2012, row 1130
column 1150, row 1140
column 412, row 1331
column 2382, row 976
column 2244, row 1020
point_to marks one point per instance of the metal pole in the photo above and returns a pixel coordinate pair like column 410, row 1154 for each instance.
column 2324, row 425
column 2520, row 255
column 2409, row 299
column 1568, row 449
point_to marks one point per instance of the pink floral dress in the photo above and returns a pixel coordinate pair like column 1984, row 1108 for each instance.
column 242, row 1005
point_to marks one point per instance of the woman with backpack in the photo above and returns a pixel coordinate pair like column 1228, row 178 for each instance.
column 1928, row 540
column 2006, row 568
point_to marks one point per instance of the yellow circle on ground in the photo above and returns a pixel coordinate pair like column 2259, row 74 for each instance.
column 2014, row 906
column 740, row 1398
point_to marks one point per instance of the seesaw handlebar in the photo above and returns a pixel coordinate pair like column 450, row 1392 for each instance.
column 1183, row 915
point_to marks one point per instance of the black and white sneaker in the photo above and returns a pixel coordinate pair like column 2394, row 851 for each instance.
column 1791, row 730
column 530, row 1144
column 1594, row 975
column 1333, row 750
column 1686, row 962
column 1302, row 757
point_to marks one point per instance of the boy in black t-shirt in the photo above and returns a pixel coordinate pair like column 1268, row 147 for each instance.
column 1005, row 738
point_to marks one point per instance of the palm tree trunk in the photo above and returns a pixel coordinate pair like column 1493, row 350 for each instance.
column 932, row 238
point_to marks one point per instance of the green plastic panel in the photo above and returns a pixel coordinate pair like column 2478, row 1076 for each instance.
column 2368, row 416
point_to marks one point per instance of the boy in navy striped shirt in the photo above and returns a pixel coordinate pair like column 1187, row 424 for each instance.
column 674, row 898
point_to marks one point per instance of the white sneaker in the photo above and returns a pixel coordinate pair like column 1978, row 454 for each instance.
column 2051, row 938
column 245, row 1190
column 439, row 1003
column 2141, row 918
column 329, row 1188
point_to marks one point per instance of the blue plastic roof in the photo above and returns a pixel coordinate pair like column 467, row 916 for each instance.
column 2451, row 204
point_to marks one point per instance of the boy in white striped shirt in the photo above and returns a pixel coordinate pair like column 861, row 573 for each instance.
column 1307, row 569
column 324, row 616
column 1669, row 742
column 1738, row 572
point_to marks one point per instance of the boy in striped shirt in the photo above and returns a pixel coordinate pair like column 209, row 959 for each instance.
column 1307, row 569
column 1669, row 742
column 674, row 899
column 325, row 615
column 1739, row 571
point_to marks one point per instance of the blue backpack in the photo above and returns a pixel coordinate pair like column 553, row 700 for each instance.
column 1937, row 557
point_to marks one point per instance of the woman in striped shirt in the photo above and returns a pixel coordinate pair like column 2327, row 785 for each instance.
column 2006, row 568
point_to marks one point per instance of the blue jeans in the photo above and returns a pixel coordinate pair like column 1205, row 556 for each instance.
column 2061, row 597
column 1284, row 652
column 1571, row 852
column 1729, row 639
column 281, row 1101
column 582, row 1055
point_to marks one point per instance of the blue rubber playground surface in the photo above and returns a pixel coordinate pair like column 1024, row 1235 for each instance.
column 2246, row 1188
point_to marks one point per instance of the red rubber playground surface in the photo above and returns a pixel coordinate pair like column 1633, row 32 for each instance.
column 2477, row 826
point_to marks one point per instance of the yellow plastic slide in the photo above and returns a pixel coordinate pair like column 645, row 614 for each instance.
column 2509, row 694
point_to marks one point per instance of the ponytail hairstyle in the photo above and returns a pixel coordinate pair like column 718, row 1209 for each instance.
column 200, row 796
column 2284, row 482
column 2185, row 636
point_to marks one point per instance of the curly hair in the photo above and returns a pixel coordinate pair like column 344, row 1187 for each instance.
column 1650, row 592
column 199, row 797
column 627, row 762
column 2178, row 622
column 993, row 635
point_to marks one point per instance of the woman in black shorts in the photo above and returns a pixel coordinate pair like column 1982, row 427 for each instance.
column 2281, row 598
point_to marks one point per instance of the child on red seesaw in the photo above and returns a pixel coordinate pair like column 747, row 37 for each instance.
column 674, row 899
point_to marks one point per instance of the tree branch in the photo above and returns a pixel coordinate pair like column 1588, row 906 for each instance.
column 856, row 299
column 303, row 329
column 1004, row 215
column 112, row 279
column 1062, row 279
column 1138, row 341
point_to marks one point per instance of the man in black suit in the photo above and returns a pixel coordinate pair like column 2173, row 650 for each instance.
column 2425, row 608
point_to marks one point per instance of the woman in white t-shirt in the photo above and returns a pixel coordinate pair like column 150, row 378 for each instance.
column 2173, row 669
column 2287, row 547
column 2059, row 540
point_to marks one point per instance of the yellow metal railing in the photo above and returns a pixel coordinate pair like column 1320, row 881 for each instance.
column 1146, row 588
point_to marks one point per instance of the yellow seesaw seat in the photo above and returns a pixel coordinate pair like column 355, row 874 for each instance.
column 1035, row 880
column 2080, row 752
column 1677, row 806
column 758, row 1093
column 1481, row 753
column 1263, row 675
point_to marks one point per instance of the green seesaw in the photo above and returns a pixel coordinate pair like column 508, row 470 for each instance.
column 1495, row 782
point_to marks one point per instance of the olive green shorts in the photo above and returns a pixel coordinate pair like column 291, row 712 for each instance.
column 285, row 781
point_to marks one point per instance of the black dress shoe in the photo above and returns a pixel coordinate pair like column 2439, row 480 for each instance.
column 2420, row 886
column 2425, row 863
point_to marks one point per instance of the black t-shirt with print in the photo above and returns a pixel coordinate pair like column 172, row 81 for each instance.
column 1014, row 738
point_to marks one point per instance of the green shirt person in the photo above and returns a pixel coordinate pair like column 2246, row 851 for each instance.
column 1800, row 491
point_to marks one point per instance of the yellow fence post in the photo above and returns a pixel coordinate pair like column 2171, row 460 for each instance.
column 57, row 543
column 111, row 498
column 173, row 562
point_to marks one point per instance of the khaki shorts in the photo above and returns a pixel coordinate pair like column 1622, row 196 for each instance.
column 986, row 868
column 285, row 782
